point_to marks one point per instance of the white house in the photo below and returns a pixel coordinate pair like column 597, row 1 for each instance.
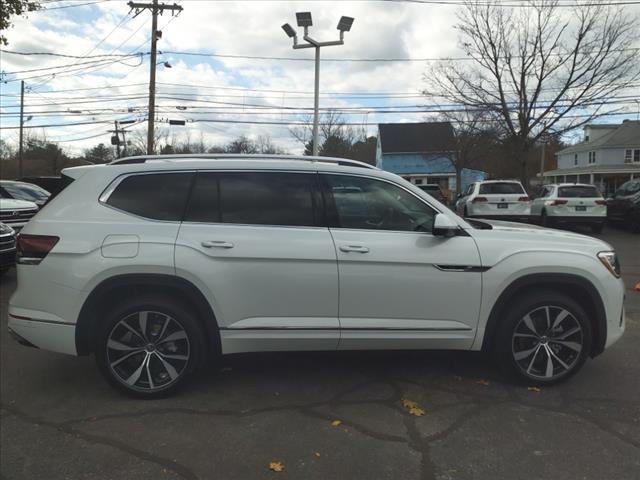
column 608, row 157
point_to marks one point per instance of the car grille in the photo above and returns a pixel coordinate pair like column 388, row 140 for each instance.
column 7, row 242
column 17, row 216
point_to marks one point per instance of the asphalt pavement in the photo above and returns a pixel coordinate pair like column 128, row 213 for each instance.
column 327, row 415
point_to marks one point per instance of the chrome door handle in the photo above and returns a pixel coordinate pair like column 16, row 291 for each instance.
column 354, row 248
column 216, row 244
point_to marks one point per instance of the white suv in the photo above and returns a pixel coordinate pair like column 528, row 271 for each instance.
column 495, row 199
column 155, row 264
column 569, row 204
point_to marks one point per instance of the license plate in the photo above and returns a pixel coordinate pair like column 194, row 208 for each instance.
column 581, row 209
column 503, row 205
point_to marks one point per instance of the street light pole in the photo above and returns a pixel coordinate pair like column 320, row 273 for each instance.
column 21, row 128
column 316, row 104
column 304, row 20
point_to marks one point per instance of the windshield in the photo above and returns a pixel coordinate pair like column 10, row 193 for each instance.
column 23, row 191
column 578, row 191
column 501, row 188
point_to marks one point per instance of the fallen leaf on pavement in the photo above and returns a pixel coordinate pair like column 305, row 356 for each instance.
column 416, row 411
column 336, row 423
column 317, row 454
column 276, row 466
column 637, row 287
column 534, row 389
column 483, row 382
column 408, row 403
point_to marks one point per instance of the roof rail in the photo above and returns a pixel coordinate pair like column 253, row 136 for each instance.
column 230, row 156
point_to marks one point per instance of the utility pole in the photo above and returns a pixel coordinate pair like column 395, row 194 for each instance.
column 543, row 155
column 115, row 124
column 155, row 8
column 21, row 128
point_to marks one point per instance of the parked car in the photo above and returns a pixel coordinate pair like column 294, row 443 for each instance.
column 16, row 213
column 435, row 191
column 495, row 199
column 156, row 264
column 624, row 207
column 23, row 191
column 570, row 204
column 7, row 248
column 52, row 184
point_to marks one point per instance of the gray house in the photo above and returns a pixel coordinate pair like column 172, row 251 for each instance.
column 608, row 157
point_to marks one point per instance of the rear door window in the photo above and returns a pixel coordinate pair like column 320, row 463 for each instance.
column 578, row 191
column 501, row 188
column 158, row 196
column 254, row 198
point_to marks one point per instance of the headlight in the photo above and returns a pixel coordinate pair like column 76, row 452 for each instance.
column 4, row 229
column 610, row 261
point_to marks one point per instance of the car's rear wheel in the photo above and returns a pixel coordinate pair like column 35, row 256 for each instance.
column 148, row 346
column 597, row 227
column 544, row 338
column 544, row 219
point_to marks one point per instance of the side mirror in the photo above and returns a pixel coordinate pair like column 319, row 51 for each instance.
column 443, row 226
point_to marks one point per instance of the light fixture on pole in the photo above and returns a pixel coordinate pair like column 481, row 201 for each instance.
column 305, row 21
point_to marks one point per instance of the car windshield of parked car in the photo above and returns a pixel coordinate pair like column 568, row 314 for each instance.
column 578, row 191
column 630, row 188
column 501, row 188
column 365, row 203
column 23, row 191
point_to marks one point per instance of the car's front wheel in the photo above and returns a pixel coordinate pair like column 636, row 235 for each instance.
column 545, row 337
column 148, row 346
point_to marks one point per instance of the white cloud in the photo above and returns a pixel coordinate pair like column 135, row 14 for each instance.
column 380, row 30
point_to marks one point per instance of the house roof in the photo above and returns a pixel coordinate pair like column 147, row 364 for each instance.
column 622, row 168
column 416, row 137
column 626, row 135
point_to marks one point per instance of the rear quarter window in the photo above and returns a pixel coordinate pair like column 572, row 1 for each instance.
column 157, row 196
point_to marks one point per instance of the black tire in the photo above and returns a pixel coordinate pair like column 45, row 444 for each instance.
column 172, row 332
column 514, row 339
column 544, row 219
column 597, row 227
column 634, row 224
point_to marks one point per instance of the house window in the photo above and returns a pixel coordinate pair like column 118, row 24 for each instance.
column 592, row 157
column 632, row 155
column 575, row 159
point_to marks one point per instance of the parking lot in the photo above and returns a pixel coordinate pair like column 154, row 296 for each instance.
column 60, row 420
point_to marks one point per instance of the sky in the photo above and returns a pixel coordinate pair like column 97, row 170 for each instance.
column 222, row 97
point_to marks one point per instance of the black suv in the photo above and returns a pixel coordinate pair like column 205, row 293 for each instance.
column 624, row 207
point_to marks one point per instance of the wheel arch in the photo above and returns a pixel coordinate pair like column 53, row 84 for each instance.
column 134, row 284
column 575, row 286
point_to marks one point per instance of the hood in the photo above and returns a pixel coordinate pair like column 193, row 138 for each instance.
column 13, row 204
column 507, row 238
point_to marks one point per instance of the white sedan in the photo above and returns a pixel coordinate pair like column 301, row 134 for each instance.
column 570, row 203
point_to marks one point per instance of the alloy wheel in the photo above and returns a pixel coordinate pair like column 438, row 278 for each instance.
column 148, row 351
column 547, row 342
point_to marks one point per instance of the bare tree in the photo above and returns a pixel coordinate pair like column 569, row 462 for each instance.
column 336, row 137
column 538, row 69
column 475, row 138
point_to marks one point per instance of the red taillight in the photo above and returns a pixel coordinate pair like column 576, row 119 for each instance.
column 479, row 199
column 601, row 202
column 31, row 249
column 558, row 202
column 523, row 199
